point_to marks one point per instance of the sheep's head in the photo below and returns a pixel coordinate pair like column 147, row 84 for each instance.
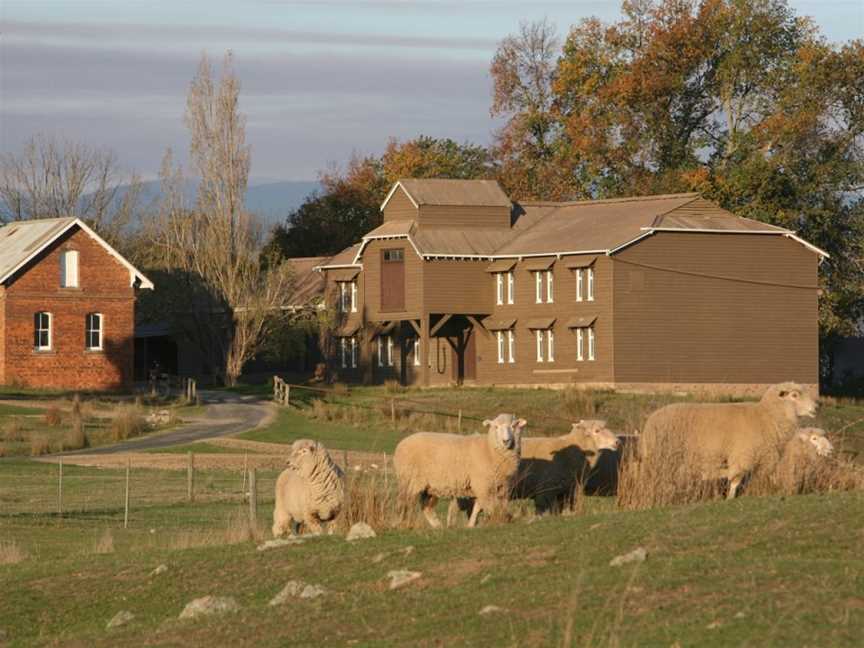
column 595, row 434
column 795, row 399
column 505, row 431
column 304, row 455
column 816, row 438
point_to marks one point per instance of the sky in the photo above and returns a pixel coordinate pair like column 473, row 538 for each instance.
column 321, row 79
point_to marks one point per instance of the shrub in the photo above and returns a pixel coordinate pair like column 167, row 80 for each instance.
column 127, row 423
column 39, row 444
column 75, row 438
column 53, row 416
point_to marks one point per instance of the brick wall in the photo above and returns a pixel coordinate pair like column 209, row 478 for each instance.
column 103, row 288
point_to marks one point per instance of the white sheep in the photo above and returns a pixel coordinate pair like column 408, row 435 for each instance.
column 309, row 492
column 551, row 468
column 803, row 450
column 430, row 466
column 727, row 440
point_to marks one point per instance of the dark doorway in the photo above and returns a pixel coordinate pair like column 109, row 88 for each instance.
column 393, row 279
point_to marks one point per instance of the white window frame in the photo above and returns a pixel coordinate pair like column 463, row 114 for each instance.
column 591, row 343
column 69, row 261
column 579, row 284
column 538, row 287
column 380, row 351
column 88, row 331
column 417, row 352
column 499, row 288
column 511, row 346
column 538, row 334
column 343, row 297
column 343, row 348
column 353, row 346
column 590, row 284
column 499, row 335
column 511, row 287
column 354, row 296
column 39, row 329
column 580, row 344
column 549, row 287
column 389, row 350
column 550, row 346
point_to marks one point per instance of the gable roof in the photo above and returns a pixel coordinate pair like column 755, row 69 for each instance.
column 344, row 259
column 23, row 241
column 308, row 284
column 451, row 193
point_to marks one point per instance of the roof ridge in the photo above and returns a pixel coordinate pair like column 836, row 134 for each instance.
column 32, row 221
column 572, row 203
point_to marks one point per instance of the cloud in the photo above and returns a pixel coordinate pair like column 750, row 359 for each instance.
column 304, row 110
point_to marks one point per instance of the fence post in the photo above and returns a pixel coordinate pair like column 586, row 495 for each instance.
column 60, row 490
column 393, row 411
column 287, row 395
column 385, row 472
column 126, row 506
column 253, row 499
column 190, row 477
column 459, row 422
column 245, row 472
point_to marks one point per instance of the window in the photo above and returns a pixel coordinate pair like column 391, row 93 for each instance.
column 506, row 346
column 545, row 345
column 93, row 332
column 385, row 351
column 348, row 351
column 394, row 255
column 499, row 288
column 579, row 285
column 539, row 281
column 590, row 284
column 511, row 281
column 69, row 269
column 417, row 352
column 42, row 331
column 583, row 334
column 348, row 296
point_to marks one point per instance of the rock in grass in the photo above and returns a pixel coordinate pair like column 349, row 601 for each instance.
column 161, row 569
column 121, row 618
column 360, row 531
column 209, row 605
column 297, row 589
column 637, row 555
column 490, row 609
column 280, row 542
column 400, row 577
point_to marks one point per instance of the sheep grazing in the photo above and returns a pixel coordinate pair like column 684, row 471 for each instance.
column 551, row 468
column 430, row 466
column 727, row 440
column 310, row 492
column 800, row 454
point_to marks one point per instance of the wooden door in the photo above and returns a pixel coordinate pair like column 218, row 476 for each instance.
column 393, row 279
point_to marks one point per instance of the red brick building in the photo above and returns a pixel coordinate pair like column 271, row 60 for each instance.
column 67, row 307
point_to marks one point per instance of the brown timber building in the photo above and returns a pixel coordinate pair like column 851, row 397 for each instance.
column 461, row 285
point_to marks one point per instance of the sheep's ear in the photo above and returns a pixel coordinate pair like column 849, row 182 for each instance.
column 521, row 423
column 487, row 422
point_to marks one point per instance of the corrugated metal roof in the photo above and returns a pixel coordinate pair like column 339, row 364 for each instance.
column 308, row 285
column 540, row 323
column 343, row 258
column 454, row 242
column 21, row 241
column 461, row 193
column 499, row 324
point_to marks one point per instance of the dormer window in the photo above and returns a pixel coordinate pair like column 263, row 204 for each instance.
column 69, row 269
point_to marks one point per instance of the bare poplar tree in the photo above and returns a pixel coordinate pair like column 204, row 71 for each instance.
column 54, row 178
column 232, row 300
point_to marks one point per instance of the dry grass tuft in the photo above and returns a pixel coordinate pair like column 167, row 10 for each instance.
column 53, row 416
column 39, row 444
column 12, row 431
column 11, row 553
column 579, row 403
column 105, row 543
column 237, row 529
column 668, row 477
column 394, row 387
column 806, row 474
column 128, row 422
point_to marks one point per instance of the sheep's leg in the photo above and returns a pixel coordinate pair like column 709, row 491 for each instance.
column 280, row 523
column 734, row 483
column 452, row 510
column 472, row 521
column 313, row 524
column 295, row 527
column 429, row 502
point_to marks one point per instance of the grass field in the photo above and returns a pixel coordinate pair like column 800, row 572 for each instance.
column 756, row 571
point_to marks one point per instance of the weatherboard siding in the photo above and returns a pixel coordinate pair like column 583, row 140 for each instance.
column 674, row 324
column 451, row 286
column 471, row 216
column 399, row 207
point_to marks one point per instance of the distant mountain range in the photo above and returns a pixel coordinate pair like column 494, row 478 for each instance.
column 272, row 201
